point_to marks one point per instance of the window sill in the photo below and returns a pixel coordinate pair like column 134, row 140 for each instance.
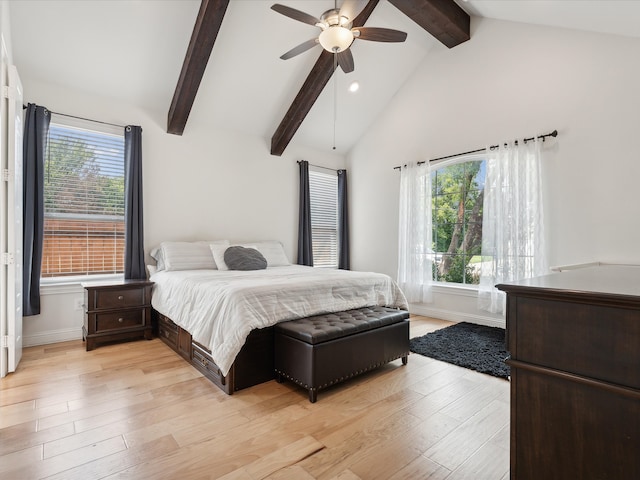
column 455, row 289
column 61, row 285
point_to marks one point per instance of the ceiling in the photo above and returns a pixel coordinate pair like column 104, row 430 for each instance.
column 132, row 51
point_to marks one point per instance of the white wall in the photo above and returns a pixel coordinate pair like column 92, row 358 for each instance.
column 206, row 184
column 511, row 81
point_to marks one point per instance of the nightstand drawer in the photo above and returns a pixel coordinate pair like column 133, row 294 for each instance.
column 116, row 298
column 119, row 320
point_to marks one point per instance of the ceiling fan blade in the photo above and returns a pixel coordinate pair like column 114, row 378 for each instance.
column 303, row 47
column 295, row 14
column 345, row 60
column 351, row 8
column 379, row 34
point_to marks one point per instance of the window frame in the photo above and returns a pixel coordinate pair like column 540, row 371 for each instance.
column 334, row 245
column 51, row 282
column 473, row 157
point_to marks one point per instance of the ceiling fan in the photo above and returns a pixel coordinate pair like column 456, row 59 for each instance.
column 337, row 31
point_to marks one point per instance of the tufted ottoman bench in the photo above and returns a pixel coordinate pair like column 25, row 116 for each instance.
column 319, row 351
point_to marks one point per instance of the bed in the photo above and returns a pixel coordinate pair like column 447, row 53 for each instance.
column 221, row 318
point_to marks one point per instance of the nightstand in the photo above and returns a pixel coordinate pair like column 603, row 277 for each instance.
column 114, row 311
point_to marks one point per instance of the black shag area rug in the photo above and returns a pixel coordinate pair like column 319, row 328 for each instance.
column 468, row 345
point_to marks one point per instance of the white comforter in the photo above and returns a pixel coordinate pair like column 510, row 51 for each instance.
column 220, row 308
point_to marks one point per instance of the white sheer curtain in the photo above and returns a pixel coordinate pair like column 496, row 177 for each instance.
column 415, row 257
column 512, row 225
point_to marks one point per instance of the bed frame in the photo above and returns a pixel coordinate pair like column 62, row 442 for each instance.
column 314, row 352
column 253, row 365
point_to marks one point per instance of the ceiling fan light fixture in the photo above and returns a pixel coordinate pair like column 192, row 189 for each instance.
column 337, row 33
column 335, row 39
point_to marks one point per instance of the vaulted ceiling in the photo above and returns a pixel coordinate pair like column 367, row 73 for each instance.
column 134, row 52
column 444, row 19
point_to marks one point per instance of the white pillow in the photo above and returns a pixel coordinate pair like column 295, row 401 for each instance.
column 188, row 256
column 152, row 269
column 156, row 254
column 272, row 251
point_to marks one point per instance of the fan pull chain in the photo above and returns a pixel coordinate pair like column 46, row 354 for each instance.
column 335, row 97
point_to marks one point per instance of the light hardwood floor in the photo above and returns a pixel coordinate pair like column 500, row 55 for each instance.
column 137, row 410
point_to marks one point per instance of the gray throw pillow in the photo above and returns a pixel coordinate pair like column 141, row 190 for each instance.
column 243, row 258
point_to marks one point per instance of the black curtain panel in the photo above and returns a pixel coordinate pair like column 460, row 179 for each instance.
column 133, row 220
column 305, row 249
column 36, row 134
column 343, row 222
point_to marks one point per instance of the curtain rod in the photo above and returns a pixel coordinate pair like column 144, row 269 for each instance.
column 86, row 119
column 89, row 120
column 543, row 137
column 318, row 166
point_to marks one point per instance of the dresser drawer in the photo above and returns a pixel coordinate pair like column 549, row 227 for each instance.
column 598, row 342
column 119, row 320
column 101, row 299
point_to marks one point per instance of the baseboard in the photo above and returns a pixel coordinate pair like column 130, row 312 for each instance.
column 67, row 334
column 52, row 336
column 457, row 317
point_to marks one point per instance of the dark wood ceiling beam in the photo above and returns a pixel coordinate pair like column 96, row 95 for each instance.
column 203, row 37
column 444, row 19
column 306, row 97
column 310, row 91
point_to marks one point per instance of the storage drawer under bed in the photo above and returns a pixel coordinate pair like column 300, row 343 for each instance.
column 168, row 331
column 253, row 365
column 174, row 336
column 204, row 363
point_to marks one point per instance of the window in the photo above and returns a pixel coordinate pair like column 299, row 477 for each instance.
column 323, row 192
column 456, row 200
column 84, row 200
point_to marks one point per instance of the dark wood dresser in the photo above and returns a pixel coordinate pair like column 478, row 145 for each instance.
column 574, row 341
column 114, row 311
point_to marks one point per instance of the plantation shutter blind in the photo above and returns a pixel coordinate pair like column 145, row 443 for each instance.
column 323, row 189
column 84, row 202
